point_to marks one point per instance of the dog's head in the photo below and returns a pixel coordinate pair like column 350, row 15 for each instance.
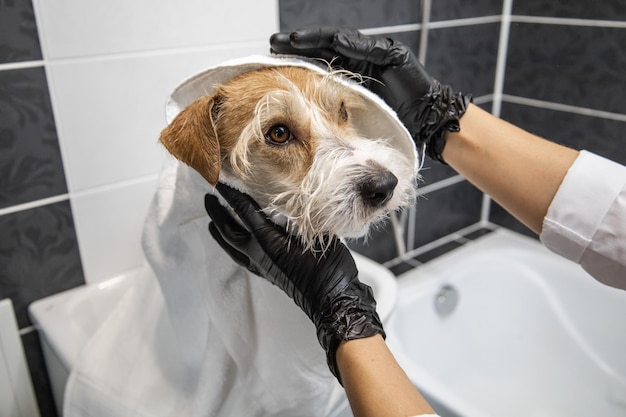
column 286, row 136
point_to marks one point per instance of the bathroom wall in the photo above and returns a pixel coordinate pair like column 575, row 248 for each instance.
column 565, row 77
column 82, row 91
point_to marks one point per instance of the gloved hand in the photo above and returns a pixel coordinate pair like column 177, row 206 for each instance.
column 427, row 108
column 323, row 283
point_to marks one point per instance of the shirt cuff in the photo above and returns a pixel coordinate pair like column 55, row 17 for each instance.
column 586, row 194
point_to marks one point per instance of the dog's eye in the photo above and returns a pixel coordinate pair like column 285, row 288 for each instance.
column 279, row 134
column 343, row 113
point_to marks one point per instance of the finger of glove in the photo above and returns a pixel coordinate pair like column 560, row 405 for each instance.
column 236, row 255
column 316, row 37
column 378, row 51
column 222, row 217
column 280, row 43
column 246, row 208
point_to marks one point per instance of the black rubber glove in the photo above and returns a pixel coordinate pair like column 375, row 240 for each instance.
column 324, row 284
column 427, row 108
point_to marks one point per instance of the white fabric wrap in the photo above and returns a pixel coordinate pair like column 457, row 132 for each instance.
column 197, row 335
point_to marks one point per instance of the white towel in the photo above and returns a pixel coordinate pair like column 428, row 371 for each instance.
column 197, row 335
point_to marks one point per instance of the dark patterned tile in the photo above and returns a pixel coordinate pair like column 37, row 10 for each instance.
column 30, row 160
column 39, row 255
column 39, row 374
column 446, row 211
column 478, row 234
column 18, row 32
column 460, row 9
column 602, row 136
column 380, row 244
column 586, row 9
column 401, row 268
column 352, row 13
column 437, row 252
column 576, row 65
column 464, row 57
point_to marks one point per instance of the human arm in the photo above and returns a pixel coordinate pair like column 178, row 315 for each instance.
column 327, row 288
column 374, row 382
column 520, row 171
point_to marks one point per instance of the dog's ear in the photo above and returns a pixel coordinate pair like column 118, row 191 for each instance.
column 192, row 138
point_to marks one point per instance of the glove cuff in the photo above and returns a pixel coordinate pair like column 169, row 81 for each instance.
column 351, row 316
column 440, row 112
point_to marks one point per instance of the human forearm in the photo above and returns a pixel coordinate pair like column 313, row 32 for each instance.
column 374, row 382
column 520, row 171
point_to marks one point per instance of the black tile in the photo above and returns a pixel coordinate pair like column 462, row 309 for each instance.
column 464, row 57
column 478, row 234
column 39, row 374
column 590, row 9
column 460, row 9
column 602, row 136
column 401, row 268
column 39, row 255
column 379, row 245
column 18, row 32
column 446, row 211
column 30, row 160
column 352, row 13
column 576, row 65
column 437, row 252
column 501, row 217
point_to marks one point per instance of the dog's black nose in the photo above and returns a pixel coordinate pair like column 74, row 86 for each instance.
column 378, row 189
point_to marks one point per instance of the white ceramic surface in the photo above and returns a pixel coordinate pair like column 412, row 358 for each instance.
column 531, row 334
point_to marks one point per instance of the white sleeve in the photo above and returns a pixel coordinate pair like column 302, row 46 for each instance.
column 586, row 221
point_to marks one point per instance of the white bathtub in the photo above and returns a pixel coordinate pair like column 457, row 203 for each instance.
column 503, row 327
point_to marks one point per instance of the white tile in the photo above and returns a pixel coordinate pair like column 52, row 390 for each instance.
column 76, row 28
column 109, row 112
column 108, row 225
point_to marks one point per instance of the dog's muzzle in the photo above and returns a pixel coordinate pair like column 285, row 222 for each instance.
column 378, row 189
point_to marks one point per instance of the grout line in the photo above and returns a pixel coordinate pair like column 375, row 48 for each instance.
column 423, row 46
column 21, row 65
column 568, row 21
column 436, row 186
column 380, row 30
column 151, row 52
column 485, row 209
column 564, row 107
column 34, row 204
column 452, row 237
column 483, row 99
column 27, row 330
column 470, row 21
column 77, row 194
column 503, row 43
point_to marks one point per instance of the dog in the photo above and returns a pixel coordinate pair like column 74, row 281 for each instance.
column 285, row 135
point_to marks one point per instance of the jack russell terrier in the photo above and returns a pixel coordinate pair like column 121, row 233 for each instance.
column 291, row 136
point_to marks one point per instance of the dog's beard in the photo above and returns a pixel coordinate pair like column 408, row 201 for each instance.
column 328, row 202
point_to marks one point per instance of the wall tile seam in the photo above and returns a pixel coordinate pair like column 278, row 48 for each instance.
column 566, row 108
column 80, row 59
column 77, row 194
column 566, row 21
column 458, row 236
column 11, row 66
